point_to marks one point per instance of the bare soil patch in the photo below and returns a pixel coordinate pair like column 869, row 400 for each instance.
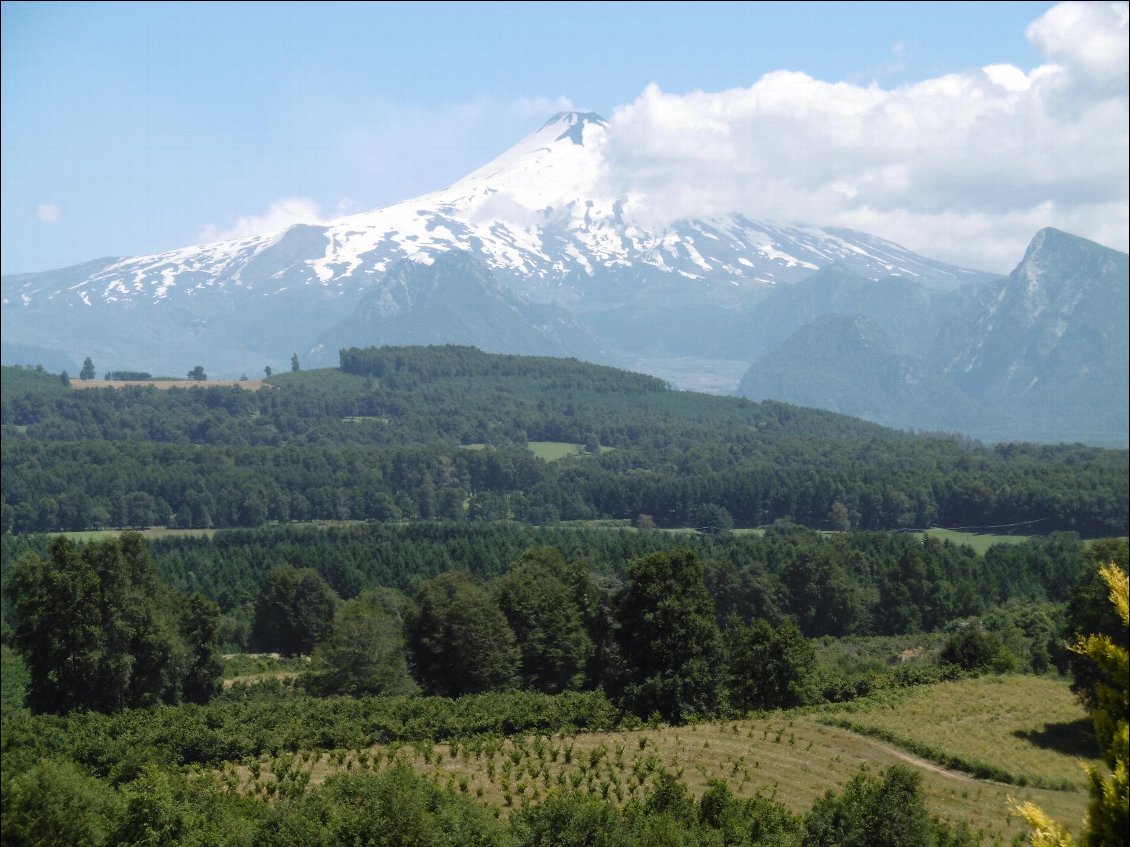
column 165, row 384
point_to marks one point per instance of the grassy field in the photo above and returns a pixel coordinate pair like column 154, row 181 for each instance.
column 155, row 532
column 164, row 384
column 552, row 451
column 978, row 541
column 1029, row 729
column 795, row 756
column 549, row 451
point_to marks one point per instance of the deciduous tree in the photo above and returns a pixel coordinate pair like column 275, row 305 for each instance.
column 878, row 812
column 459, row 639
column 96, row 628
column 293, row 610
column 538, row 599
column 363, row 653
column 767, row 668
column 669, row 638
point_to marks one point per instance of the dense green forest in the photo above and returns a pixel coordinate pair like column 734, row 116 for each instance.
column 423, row 433
column 855, row 583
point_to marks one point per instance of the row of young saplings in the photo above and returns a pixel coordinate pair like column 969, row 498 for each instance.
column 511, row 771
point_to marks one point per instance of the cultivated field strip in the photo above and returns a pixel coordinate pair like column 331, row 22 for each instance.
column 794, row 758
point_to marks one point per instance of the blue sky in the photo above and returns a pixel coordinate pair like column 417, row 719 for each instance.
column 133, row 128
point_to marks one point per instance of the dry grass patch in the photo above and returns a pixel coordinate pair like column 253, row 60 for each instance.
column 1031, row 728
column 256, row 678
column 165, row 384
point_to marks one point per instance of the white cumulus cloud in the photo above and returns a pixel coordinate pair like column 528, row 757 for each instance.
column 283, row 213
column 47, row 213
column 964, row 167
column 1089, row 37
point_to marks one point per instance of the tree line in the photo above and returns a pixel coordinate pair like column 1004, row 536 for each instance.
column 853, row 583
column 671, row 629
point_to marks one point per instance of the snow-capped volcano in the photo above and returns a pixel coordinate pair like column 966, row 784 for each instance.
column 543, row 217
column 537, row 215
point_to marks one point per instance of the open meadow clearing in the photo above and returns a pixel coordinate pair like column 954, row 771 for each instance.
column 1030, row 730
column 152, row 533
column 979, row 541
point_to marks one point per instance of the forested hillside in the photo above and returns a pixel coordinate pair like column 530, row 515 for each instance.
column 452, row 550
column 443, row 432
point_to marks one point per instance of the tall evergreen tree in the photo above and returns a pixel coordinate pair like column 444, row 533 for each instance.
column 201, row 630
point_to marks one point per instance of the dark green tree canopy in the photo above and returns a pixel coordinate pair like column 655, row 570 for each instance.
column 293, row 610
column 459, row 639
column 363, row 653
column 669, row 638
column 971, row 647
column 886, row 811
column 201, row 626
column 538, row 596
column 99, row 632
column 767, row 668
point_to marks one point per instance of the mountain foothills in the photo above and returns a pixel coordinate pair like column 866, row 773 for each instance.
column 1041, row 355
column 534, row 253
column 456, row 300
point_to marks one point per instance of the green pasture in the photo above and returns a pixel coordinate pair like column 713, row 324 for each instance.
column 155, row 532
column 979, row 541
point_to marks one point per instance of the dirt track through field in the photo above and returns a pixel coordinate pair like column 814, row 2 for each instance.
column 917, row 761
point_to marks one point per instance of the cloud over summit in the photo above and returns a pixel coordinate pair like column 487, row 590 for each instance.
column 965, row 167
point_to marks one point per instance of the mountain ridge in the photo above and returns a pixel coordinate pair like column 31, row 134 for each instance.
column 1039, row 355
